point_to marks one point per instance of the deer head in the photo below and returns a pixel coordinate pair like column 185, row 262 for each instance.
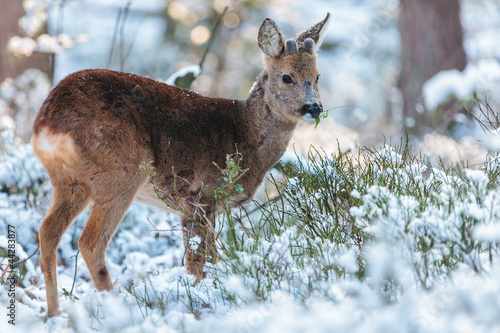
column 290, row 74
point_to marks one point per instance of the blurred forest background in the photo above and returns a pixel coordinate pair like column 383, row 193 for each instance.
column 428, row 67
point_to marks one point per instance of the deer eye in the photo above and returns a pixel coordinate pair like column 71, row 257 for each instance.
column 287, row 79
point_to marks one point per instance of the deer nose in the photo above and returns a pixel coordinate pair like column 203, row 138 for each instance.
column 314, row 110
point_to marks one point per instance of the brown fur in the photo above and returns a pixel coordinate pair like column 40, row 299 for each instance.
column 98, row 129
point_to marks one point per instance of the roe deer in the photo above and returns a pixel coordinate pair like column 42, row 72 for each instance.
column 98, row 129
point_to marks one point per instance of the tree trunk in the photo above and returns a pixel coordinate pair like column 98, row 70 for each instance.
column 431, row 41
column 11, row 66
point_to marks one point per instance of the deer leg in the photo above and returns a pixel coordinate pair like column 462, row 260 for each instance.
column 68, row 201
column 199, row 244
column 113, row 194
column 103, row 221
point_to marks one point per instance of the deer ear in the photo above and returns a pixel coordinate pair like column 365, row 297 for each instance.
column 270, row 39
column 316, row 32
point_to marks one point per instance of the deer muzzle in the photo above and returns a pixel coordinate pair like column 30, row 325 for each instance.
column 314, row 110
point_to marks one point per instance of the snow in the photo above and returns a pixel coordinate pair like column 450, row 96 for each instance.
column 194, row 242
column 20, row 99
column 348, row 261
column 194, row 69
column 53, row 44
column 21, row 168
column 483, row 75
column 445, row 84
column 35, row 18
column 490, row 232
column 153, row 291
column 24, row 46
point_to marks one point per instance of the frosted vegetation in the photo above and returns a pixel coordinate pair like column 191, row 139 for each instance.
column 383, row 241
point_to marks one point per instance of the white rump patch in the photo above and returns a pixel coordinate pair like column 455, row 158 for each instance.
column 43, row 143
column 50, row 145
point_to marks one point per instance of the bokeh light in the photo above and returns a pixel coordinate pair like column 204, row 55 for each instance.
column 177, row 10
column 219, row 5
column 231, row 20
column 200, row 34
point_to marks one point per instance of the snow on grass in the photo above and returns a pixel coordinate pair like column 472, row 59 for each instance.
column 195, row 70
column 387, row 245
column 483, row 75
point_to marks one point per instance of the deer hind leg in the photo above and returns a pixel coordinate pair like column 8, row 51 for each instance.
column 68, row 202
column 106, row 214
column 199, row 244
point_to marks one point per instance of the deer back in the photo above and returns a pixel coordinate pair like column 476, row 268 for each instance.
column 115, row 118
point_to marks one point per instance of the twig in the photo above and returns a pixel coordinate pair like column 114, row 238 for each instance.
column 491, row 121
column 113, row 40
column 264, row 205
column 212, row 38
column 126, row 10
column 74, row 276
column 134, row 37
column 31, row 255
column 160, row 230
column 279, row 196
column 5, row 270
column 118, row 32
column 238, row 218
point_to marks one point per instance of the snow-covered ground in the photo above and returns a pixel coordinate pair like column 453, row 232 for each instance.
column 406, row 289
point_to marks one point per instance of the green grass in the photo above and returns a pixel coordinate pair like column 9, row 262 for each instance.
column 334, row 208
column 385, row 219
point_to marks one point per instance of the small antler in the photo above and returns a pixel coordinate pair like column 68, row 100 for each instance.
column 308, row 46
column 291, row 47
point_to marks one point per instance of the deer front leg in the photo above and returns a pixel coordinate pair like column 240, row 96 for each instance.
column 199, row 244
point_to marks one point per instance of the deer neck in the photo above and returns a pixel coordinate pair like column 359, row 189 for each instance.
column 269, row 132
